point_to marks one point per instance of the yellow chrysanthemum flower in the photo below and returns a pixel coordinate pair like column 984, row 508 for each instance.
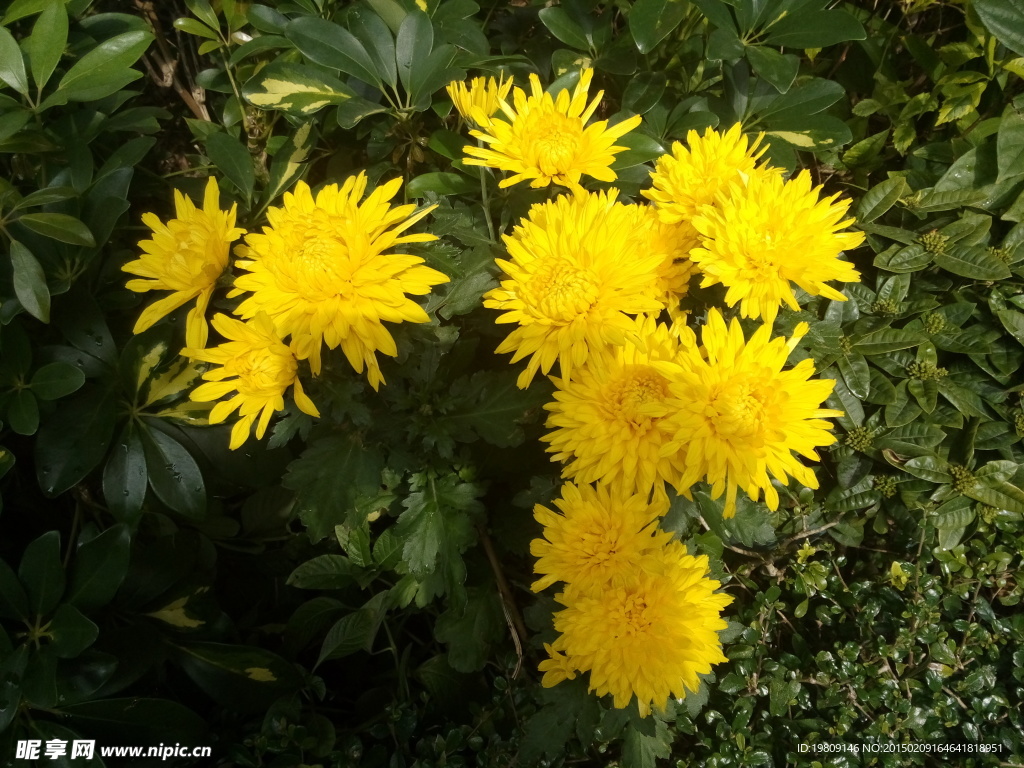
column 483, row 96
column 556, row 668
column 599, row 538
column 648, row 637
column 580, row 265
column 186, row 256
column 764, row 233
column 256, row 364
column 547, row 139
column 675, row 240
column 738, row 416
column 690, row 178
column 321, row 273
column 609, row 422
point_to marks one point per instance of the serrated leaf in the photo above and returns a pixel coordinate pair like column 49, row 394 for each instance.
column 492, row 407
column 330, row 477
column 437, row 520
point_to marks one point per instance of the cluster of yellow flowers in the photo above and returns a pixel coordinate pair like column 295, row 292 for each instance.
column 318, row 275
column 640, row 403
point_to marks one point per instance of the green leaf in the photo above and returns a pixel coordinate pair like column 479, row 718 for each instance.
column 1013, row 321
column 1010, row 146
column 290, row 161
column 844, row 400
column 74, row 440
column 59, row 226
column 640, row 750
column 471, row 633
column 30, row 282
column 46, row 44
column 149, row 721
column 233, row 160
column 972, row 262
column 100, row 565
column 330, row 477
column 887, row 340
column 174, row 475
column 42, row 573
column 441, row 183
column 640, row 149
column 925, row 392
column 333, row 46
column 880, row 198
column 55, row 380
column 436, row 522
column 813, row 132
column 413, row 45
column 492, row 407
column 72, row 632
column 355, row 632
column 724, row 45
column 651, row 21
column 376, row 38
column 815, row 29
column 1005, row 20
column 325, row 572
column 104, row 69
column 12, row 63
column 777, row 68
column 856, row 374
column 644, row 92
column 997, row 493
column 23, row 412
column 912, row 258
column 13, row 600
column 245, row 678
column 294, row 88
column 564, row 28
column 197, row 28
column 930, row 468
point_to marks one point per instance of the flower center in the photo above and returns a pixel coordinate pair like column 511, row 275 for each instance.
column 553, row 140
column 634, row 611
column 737, row 410
column 560, row 290
column 320, row 265
column 263, row 372
column 637, row 387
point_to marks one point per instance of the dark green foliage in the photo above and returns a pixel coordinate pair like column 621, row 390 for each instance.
column 355, row 591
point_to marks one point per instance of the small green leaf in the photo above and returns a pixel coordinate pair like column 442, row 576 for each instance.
column 564, row 28
column 325, row 572
column 233, row 160
column 42, row 573
column 59, row 226
column 442, row 184
column 815, row 29
column 355, row 631
column 413, row 45
column 880, row 198
column 1013, row 321
column 55, row 380
column 651, row 21
column 888, row 340
column 30, row 282
column 100, row 565
column 46, row 44
column 930, row 468
column 72, row 632
column 12, row 63
column 74, row 440
column 23, row 412
column 777, row 68
column 174, row 475
column 105, row 69
column 333, row 46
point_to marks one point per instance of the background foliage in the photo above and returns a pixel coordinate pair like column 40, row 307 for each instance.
column 355, row 591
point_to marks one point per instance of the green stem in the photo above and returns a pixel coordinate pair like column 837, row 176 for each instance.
column 487, row 205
